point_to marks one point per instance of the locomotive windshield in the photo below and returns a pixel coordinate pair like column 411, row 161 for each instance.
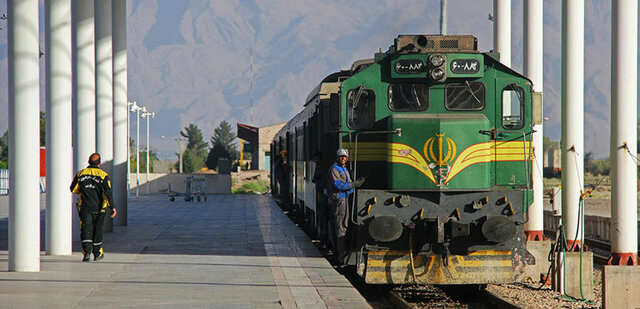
column 408, row 97
column 465, row 96
column 512, row 107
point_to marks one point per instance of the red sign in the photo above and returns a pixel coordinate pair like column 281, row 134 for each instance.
column 43, row 161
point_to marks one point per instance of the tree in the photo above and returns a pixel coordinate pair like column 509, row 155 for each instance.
column 549, row 143
column 194, row 156
column 143, row 161
column 4, row 142
column 223, row 145
column 4, row 150
column 43, row 136
column 191, row 161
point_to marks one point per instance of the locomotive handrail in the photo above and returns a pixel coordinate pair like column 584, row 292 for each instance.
column 397, row 131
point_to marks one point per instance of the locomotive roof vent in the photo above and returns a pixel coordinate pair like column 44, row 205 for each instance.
column 410, row 44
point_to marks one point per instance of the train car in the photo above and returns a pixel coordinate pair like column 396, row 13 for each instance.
column 442, row 135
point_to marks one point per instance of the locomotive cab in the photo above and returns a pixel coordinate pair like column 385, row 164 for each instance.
column 447, row 200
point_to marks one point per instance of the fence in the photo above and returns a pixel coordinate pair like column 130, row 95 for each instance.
column 4, row 182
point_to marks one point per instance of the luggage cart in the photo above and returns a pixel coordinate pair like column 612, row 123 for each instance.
column 196, row 189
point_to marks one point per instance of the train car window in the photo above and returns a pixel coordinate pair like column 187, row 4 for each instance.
column 467, row 96
column 408, row 97
column 361, row 108
column 512, row 107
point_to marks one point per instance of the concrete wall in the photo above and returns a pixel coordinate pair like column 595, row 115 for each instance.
column 265, row 134
column 159, row 183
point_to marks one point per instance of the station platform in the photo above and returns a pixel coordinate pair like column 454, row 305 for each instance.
column 232, row 251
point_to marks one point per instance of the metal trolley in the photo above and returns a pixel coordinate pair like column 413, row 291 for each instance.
column 196, row 189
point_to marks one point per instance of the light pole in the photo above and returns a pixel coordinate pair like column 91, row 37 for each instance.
column 132, row 109
column 147, row 114
column 180, row 140
column 138, row 148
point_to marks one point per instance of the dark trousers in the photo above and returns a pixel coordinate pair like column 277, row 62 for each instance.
column 340, row 215
column 91, row 224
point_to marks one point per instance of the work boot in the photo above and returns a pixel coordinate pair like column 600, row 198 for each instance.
column 99, row 257
column 342, row 245
column 86, row 256
column 98, row 254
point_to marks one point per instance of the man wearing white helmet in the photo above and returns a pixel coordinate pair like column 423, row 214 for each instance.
column 340, row 187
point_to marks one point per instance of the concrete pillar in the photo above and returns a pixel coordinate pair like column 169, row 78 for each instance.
column 120, row 111
column 624, row 98
column 57, row 27
column 572, row 143
column 24, row 135
column 104, row 90
column 533, row 58
column 502, row 30
column 84, row 83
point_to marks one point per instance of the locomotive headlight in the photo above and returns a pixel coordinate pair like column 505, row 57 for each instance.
column 437, row 74
column 437, row 67
column 436, row 60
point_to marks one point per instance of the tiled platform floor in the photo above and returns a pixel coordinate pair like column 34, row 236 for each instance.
column 232, row 251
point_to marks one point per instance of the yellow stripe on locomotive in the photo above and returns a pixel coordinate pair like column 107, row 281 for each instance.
column 480, row 267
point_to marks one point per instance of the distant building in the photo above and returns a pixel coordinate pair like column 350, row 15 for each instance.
column 260, row 141
column 552, row 162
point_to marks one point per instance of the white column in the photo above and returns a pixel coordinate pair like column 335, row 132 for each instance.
column 443, row 17
column 624, row 176
column 104, row 90
column 84, row 83
column 24, row 135
column 502, row 30
column 120, row 111
column 572, row 142
column 57, row 27
column 533, row 56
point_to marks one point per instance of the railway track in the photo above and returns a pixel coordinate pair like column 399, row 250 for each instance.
column 447, row 297
column 601, row 250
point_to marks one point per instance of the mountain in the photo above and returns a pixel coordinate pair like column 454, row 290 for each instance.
column 255, row 61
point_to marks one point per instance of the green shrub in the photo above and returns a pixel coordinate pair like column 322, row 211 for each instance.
column 256, row 187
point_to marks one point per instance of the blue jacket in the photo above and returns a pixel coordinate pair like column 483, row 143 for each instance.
column 339, row 181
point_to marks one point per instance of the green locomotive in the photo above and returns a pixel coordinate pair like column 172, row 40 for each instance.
column 442, row 134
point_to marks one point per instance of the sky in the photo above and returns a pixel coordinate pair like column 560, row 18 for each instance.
column 254, row 62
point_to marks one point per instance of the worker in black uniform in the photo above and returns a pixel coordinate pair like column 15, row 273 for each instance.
column 94, row 189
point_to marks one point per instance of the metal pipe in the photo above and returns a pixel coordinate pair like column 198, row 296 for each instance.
column 84, row 81
column 120, row 172
column 572, row 117
column 57, row 27
column 533, row 68
column 624, row 173
column 24, row 135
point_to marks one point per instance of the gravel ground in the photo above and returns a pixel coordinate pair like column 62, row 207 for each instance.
column 528, row 296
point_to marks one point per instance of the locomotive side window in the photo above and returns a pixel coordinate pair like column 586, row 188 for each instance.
column 361, row 108
column 408, row 97
column 512, row 107
column 467, row 96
